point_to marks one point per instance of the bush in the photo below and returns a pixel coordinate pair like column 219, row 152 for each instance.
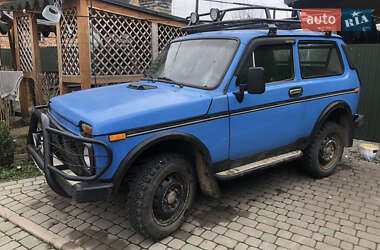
column 6, row 146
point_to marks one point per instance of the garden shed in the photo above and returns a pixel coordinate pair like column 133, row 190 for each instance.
column 24, row 25
column 99, row 42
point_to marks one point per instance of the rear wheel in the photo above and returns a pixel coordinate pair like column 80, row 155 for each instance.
column 161, row 195
column 325, row 151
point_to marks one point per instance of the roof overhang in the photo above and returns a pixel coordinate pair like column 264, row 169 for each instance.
column 6, row 20
column 126, row 4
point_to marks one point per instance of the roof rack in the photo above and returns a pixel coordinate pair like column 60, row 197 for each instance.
column 270, row 22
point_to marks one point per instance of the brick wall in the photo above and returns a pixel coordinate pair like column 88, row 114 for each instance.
column 50, row 41
column 4, row 42
column 157, row 5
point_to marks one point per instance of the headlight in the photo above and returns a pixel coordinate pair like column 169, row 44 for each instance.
column 87, row 155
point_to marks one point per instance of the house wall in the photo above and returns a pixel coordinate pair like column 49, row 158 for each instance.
column 50, row 41
column 157, row 5
column 49, row 59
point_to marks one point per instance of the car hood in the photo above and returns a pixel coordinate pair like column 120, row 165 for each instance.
column 117, row 108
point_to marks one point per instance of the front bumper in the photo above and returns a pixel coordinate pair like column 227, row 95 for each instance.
column 82, row 188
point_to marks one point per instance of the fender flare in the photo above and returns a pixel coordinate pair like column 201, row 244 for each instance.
column 148, row 143
column 333, row 106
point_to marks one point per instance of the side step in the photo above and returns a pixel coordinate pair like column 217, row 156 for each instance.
column 251, row 167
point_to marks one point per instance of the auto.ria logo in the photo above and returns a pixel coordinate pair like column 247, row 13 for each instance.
column 356, row 19
column 336, row 19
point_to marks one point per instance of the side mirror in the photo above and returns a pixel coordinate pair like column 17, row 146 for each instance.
column 255, row 85
column 256, row 82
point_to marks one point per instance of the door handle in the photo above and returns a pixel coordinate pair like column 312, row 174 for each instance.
column 295, row 92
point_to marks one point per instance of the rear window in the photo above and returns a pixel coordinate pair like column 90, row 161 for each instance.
column 319, row 59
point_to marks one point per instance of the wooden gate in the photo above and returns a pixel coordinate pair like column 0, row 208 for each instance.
column 367, row 60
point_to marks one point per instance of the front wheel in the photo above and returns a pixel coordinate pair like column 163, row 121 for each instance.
column 324, row 152
column 161, row 195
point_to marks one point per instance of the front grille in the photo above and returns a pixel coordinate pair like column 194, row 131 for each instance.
column 70, row 153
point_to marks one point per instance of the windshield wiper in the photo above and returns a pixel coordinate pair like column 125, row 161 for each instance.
column 155, row 79
column 166, row 79
column 162, row 79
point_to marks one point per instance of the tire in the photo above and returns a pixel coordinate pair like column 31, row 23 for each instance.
column 325, row 151
column 161, row 195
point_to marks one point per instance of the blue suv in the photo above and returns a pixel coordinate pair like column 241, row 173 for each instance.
column 229, row 99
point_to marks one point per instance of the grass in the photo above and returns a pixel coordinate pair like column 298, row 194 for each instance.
column 18, row 172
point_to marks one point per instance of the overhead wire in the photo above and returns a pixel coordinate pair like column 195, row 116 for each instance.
column 234, row 3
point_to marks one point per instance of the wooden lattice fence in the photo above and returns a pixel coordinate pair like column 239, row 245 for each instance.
column 49, row 86
column 166, row 33
column 24, row 44
column 69, row 43
column 121, row 45
column 109, row 42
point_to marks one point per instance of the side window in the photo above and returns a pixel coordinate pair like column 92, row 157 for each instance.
column 277, row 61
column 319, row 59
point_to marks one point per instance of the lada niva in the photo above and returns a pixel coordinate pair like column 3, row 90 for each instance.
column 226, row 100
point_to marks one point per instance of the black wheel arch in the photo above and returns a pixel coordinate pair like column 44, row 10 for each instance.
column 197, row 146
column 341, row 113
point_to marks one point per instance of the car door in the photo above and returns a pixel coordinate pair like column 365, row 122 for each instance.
column 274, row 119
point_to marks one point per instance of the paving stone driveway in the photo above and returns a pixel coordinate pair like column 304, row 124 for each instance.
column 13, row 237
column 275, row 209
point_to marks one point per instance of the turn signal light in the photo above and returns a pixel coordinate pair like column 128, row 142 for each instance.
column 356, row 90
column 87, row 129
column 118, row 137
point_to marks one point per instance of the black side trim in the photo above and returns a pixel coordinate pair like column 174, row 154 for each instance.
column 288, row 102
column 174, row 124
column 204, row 118
column 128, row 161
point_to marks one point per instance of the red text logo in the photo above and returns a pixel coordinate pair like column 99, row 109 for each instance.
column 321, row 19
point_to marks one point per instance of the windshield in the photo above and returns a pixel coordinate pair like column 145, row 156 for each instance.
column 197, row 63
